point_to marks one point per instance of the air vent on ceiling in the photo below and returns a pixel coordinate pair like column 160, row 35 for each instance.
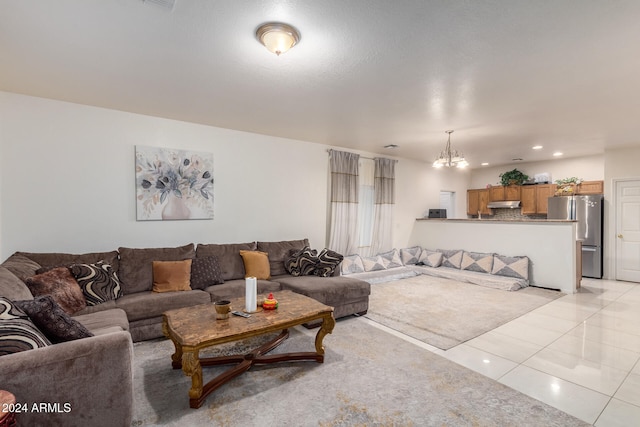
column 167, row 4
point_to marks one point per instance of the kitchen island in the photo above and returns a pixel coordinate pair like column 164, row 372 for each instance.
column 549, row 244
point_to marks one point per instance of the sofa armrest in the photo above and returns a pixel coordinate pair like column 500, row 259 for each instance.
column 76, row 383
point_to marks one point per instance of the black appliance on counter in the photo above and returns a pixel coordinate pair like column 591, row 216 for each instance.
column 437, row 213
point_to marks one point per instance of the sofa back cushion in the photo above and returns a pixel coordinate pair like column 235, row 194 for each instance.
column 228, row 257
column 511, row 266
column 477, row 261
column 21, row 266
column 12, row 287
column 136, row 265
column 279, row 251
column 430, row 258
column 410, row 255
column 451, row 258
column 55, row 259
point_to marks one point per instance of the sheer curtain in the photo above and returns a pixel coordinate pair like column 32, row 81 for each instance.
column 384, row 184
column 343, row 236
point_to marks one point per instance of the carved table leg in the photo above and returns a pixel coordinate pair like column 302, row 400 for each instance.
column 328, row 322
column 192, row 368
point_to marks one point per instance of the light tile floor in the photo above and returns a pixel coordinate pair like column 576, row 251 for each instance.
column 579, row 353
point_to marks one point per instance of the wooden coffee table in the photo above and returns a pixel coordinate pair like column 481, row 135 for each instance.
column 194, row 328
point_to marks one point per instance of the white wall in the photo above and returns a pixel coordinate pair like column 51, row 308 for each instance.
column 554, row 269
column 620, row 163
column 68, row 183
column 589, row 168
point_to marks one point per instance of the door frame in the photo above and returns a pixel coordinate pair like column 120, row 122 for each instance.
column 613, row 240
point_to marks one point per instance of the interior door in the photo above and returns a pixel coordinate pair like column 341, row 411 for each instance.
column 628, row 230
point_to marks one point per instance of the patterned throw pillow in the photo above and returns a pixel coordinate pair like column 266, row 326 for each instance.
column 301, row 262
column 517, row 266
column 57, row 325
column 205, row 272
column 451, row 258
column 410, row 255
column 351, row 264
column 391, row 259
column 99, row 283
column 373, row 263
column 61, row 285
column 476, row 261
column 17, row 332
column 430, row 258
column 328, row 260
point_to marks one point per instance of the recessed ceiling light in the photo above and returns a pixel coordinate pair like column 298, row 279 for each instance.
column 536, row 147
column 484, row 164
column 391, row 146
column 557, row 154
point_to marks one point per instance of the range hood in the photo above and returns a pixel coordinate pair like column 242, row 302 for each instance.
column 512, row 204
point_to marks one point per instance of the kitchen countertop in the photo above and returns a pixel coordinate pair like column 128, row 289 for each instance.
column 501, row 221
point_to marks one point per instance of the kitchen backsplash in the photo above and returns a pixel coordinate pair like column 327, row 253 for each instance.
column 511, row 214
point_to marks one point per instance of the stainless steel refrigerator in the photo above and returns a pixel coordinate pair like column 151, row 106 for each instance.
column 587, row 211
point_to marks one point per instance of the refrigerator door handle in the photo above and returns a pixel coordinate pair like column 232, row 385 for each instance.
column 588, row 249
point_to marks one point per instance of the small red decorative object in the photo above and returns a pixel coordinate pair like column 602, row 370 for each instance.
column 270, row 303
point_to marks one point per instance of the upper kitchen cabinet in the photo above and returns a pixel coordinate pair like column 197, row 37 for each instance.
column 590, row 187
column 477, row 201
column 500, row 193
column 534, row 198
column 512, row 192
column 543, row 192
column 496, row 193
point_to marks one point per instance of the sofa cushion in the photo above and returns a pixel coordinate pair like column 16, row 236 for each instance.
column 352, row 264
column 136, row 268
column 302, row 262
column 516, row 266
column 430, row 258
column 410, row 255
column 147, row 304
column 237, row 289
column 391, row 259
column 98, row 281
column 12, row 287
column 21, row 266
column 451, row 258
column 373, row 263
column 228, row 257
column 99, row 321
column 205, row 272
column 52, row 320
column 55, row 259
column 61, row 285
column 477, row 261
column 328, row 261
column 332, row 291
column 256, row 264
column 17, row 331
column 171, row 276
column 279, row 251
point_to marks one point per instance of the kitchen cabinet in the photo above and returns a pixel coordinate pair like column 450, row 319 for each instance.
column 590, row 187
column 533, row 198
column 512, row 192
column 496, row 193
column 477, row 201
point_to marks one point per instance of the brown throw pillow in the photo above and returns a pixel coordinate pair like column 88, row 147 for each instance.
column 51, row 319
column 171, row 276
column 256, row 264
column 61, row 285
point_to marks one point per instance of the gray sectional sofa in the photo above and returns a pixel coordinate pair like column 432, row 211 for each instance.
column 94, row 374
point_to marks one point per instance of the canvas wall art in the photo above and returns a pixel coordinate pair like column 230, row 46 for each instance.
column 173, row 184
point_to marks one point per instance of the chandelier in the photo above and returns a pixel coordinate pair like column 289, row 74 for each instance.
column 450, row 157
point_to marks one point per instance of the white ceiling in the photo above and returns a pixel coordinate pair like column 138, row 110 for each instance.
column 504, row 74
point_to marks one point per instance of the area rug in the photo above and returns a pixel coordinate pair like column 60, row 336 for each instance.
column 369, row 378
column 444, row 313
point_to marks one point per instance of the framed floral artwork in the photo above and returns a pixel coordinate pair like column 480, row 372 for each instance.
column 173, row 184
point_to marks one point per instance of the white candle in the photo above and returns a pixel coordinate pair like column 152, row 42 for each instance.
column 251, row 297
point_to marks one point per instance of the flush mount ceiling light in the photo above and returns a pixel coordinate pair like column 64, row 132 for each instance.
column 450, row 157
column 277, row 37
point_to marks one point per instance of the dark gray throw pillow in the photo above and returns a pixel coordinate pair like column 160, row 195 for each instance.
column 99, row 283
column 302, row 262
column 205, row 272
column 52, row 320
column 328, row 260
column 17, row 331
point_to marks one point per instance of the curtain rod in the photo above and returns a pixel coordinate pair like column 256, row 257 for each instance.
column 364, row 157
